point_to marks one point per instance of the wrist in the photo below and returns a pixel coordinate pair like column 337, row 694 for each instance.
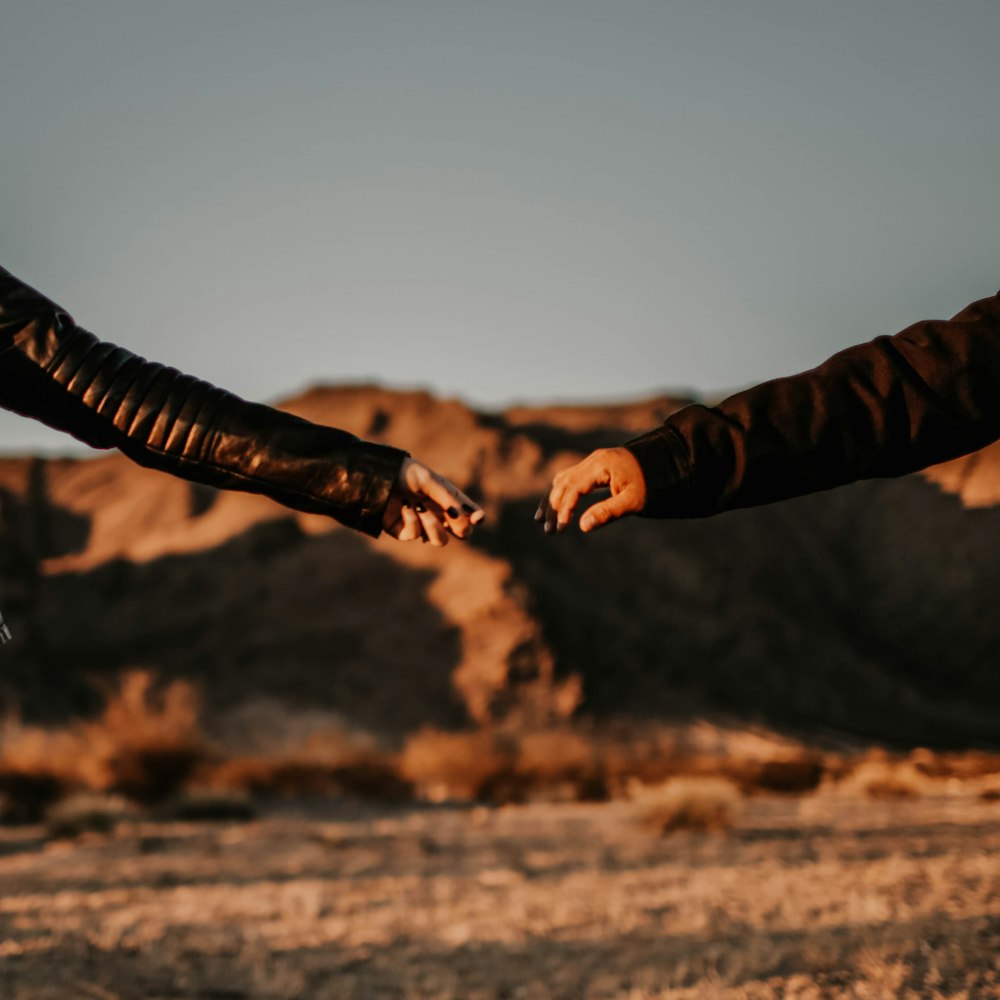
column 663, row 469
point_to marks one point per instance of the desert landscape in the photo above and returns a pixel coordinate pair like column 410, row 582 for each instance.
column 248, row 754
column 821, row 897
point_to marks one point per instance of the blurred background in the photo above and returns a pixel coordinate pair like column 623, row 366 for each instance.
column 497, row 236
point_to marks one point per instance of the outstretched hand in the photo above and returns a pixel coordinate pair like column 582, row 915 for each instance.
column 616, row 468
column 428, row 507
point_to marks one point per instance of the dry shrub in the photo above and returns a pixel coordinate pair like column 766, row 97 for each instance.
column 444, row 765
column 701, row 805
column 375, row 776
column 757, row 763
column 879, row 778
column 649, row 758
column 563, row 763
column 286, row 777
column 372, row 776
column 147, row 743
column 86, row 812
column 792, row 775
column 37, row 767
column 788, row 776
column 551, row 765
column 965, row 765
column 356, row 766
column 554, row 754
column 333, row 762
column 213, row 805
column 503, row 767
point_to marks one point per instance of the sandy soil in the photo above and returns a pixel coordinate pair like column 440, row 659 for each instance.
column 825, row 897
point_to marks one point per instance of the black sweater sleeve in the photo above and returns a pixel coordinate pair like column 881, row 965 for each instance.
column 886, row 408
column 107, row 397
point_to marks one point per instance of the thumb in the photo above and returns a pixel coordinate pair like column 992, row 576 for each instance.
column 606, row 511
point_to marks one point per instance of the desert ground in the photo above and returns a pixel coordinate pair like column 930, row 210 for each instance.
column 810, row 897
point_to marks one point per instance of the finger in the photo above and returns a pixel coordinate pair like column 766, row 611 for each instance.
column 567, row 506
column 412, row 528
column 543, row 506
column 607, row 511
column 550, row 514
column 456, row 506
column 392, row 522
column 546, row 515
column 474, row 512
column 581, row 480
column 432, row 526
column 569, row 480
column 446, row 497
column 554, row 499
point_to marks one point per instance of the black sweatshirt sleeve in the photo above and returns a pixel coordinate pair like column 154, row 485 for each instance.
column 893, row 406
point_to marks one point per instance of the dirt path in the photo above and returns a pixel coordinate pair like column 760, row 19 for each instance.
column 819, row 898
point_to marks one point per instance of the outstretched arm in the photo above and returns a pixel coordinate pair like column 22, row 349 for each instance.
column 107, row 397
column 886, row 408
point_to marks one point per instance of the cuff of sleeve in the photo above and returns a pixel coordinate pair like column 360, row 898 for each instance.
column 661, row 456
column 382, row 465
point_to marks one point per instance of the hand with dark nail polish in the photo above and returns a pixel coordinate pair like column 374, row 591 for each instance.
column 425, row 505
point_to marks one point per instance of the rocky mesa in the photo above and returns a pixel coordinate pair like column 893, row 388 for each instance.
column 867, row 611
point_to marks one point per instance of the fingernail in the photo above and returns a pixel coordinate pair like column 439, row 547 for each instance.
column 452, row 512
column 419, row 508
column 406, row 503
column 468, row 508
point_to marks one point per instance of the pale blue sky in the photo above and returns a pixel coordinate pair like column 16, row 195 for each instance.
column 554, row 199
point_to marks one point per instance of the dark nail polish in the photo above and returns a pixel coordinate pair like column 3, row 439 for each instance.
column 419, row 508
column 468, row 508
column 452, row 512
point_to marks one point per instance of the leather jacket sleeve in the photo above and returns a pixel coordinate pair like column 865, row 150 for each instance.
column 107, row 397
column 886, row 408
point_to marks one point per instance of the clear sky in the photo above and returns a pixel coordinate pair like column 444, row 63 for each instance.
column 550, row 199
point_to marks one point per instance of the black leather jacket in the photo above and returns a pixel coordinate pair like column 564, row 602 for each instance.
column 107, row 397
column 886, row 408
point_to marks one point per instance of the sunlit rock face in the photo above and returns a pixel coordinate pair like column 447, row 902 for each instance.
column 975, row 478
column 868, row 610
